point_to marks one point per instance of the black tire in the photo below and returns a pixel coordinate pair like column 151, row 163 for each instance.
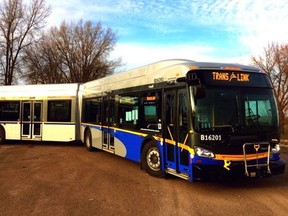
column 151, row 160
column 88, row 140
column 2, row 135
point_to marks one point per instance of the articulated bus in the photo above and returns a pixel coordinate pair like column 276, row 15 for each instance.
column 40, row 112
column 185, row 118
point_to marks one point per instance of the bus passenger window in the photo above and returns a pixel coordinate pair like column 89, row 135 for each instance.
column 151, row 112
column 9, row 110
column 127, row 110
column 59, row 111
column 92, row 110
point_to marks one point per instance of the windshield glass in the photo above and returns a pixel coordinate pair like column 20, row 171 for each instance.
column 247, row 110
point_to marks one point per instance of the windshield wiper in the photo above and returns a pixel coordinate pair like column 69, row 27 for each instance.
column 252, row 118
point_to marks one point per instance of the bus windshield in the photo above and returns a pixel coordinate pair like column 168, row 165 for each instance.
column 244, row 110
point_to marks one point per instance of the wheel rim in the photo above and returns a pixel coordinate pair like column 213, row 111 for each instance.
column 153, row 159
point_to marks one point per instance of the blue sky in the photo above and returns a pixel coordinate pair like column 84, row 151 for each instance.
column 201, row 30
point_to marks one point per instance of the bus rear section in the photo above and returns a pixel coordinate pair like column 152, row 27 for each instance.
column 189, row 119
column 48, row 112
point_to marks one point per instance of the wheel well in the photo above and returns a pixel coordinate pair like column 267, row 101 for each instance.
column 2, row 131
column 1, row 126
column 147, row 140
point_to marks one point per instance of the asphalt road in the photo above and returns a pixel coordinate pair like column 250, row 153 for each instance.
column 56, row 179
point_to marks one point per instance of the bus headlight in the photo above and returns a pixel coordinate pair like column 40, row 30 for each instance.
column 276, row 149
column 204, row 152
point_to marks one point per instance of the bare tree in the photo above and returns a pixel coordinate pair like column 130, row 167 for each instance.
column 275, row 63
column 43, row 63
column 19, row 26
column 72, row 53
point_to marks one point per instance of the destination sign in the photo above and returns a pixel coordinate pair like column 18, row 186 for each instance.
column 150, row 98
column 225, row 76
column 231, row 78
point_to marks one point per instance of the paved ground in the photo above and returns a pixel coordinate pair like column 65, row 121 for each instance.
column 42, row 179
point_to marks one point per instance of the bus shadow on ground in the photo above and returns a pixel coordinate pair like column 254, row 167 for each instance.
column 31, row 144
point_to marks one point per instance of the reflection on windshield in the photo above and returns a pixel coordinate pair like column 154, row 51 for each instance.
column 232, row 110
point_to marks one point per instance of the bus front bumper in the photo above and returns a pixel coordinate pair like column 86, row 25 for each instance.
column 236, row 169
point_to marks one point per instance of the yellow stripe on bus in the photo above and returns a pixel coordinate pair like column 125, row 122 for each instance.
column 241, row 157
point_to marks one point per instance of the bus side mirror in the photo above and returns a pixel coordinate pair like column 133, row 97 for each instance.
column 199, row 92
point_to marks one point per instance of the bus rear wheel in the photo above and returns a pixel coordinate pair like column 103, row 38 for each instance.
column 151, row 160
column 88, row 140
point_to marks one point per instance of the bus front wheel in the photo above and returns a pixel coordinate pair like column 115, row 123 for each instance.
column 88, row 140
column 151, row 160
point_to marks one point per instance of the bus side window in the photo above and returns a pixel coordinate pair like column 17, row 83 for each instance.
column 9, row 110
column 59, row 111
column 92, row 110
column 151, row 111
column 128, row 109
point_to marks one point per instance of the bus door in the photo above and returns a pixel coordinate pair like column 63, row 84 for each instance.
column 107, row 125
column 31, row 117
column 176, row 131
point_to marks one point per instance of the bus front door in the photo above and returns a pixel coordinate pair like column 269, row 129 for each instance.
column 176, row 132
column 31, row 120
column 107, row 126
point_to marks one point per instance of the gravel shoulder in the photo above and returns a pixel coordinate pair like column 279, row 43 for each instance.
column 66, row 179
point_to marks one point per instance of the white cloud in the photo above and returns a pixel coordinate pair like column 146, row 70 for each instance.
column 136, row 55
column 253, row 23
